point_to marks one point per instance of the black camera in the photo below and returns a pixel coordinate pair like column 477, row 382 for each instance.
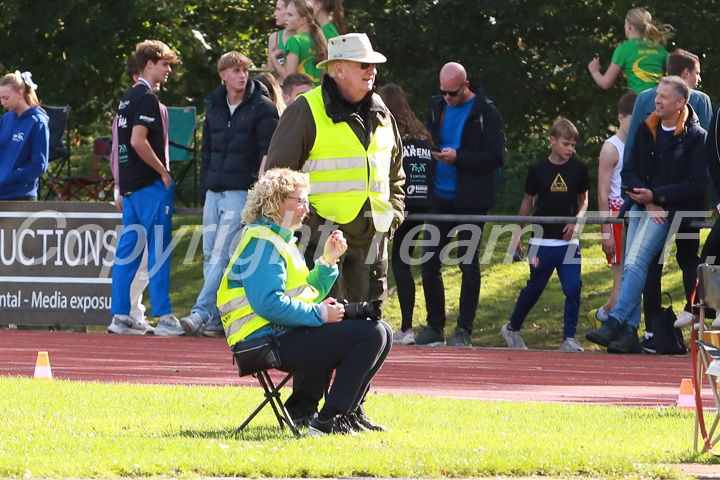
column 363, row 310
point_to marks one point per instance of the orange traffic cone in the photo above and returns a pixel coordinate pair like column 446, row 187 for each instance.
column 686, row 398
column 42, row 367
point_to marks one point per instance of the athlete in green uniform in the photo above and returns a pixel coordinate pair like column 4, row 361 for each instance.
column 641, row 57
column 330, row 15
column 306, row 47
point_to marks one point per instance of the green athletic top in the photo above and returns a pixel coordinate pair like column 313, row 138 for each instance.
column 330, row 30
column 302, row 46
column 281, row 40
column 643, row 63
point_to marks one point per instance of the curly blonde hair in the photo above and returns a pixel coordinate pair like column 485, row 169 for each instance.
column 268, row 193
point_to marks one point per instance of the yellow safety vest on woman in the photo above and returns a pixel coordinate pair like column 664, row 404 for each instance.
column 343, row 175
column 238, row 318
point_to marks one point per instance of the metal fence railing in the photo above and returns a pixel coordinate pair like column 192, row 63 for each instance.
column 434, row 217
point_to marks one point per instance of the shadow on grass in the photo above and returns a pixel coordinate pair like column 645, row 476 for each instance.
column 253, row 433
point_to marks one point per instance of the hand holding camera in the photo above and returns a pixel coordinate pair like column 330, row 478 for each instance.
column 333, row 311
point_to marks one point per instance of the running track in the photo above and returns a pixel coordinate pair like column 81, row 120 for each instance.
column 477, row 373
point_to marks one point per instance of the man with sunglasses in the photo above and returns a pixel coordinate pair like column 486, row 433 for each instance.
column 344, row 137
column 467, row 132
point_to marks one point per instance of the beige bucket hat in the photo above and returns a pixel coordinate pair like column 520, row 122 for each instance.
column 354, row 47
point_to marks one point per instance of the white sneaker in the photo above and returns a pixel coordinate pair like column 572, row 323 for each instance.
column 404, row 338
column 169, row 326
column 124, row 325
column 685, row 319
column 192, row 324
column 513, row 339
column 571, row 345
column 144, row 323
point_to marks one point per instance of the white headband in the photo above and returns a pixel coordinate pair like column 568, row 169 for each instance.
column 27, row 78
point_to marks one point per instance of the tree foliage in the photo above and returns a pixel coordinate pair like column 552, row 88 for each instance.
column 531, row 58
column 77, row 49
column 530, row 55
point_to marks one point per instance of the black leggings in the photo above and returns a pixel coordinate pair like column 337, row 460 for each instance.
column 355, row 349
column 402, row 249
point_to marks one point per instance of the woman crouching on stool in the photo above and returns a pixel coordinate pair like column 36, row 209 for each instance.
column 268, row 290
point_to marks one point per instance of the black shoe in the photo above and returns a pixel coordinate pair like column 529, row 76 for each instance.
column 626, row 342
column 648, row 345
column 363, row 420
column 605, row 334
column 352, row 420
column 338, row 425
column 303, row 421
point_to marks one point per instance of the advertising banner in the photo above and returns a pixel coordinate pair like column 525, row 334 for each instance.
column 56, row 261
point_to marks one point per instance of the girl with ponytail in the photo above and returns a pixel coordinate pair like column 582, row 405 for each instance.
column 642, row 57
column 330, row 15
column 24, row 138
column 306, row 48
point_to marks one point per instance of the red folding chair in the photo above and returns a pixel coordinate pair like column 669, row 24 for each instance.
column 94, row 187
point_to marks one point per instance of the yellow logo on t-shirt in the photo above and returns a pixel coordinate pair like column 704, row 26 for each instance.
column 644, row 75
column 301, row 69
column 559, row 184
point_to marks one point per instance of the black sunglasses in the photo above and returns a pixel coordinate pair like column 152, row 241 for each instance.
column 452, row 94
column 365, row 66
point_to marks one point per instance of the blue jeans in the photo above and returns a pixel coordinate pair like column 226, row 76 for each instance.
column 566, row 260
column 221, row 226
column 147, row 219
column 645, row 240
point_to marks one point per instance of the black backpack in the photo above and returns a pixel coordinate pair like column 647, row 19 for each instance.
column 668, row 339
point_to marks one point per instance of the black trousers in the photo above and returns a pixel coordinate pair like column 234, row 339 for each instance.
column 403, row 246
column 688, row 261
column 355, row 349
column 363, row 277
column 469, row 239
column 711, row 255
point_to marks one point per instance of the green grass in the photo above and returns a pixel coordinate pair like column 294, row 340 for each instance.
column 66, row 429
column 501, row 284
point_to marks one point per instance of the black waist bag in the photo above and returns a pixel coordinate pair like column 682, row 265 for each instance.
column 256, row 355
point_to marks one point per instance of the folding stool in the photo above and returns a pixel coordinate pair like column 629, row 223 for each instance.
column 272, row 397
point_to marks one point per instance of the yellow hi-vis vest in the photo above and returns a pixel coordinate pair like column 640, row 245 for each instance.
column 343, row 175
column 238, row 318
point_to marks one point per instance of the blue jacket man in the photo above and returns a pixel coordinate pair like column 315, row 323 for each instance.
column 686, row 66
column 665, row 174
column 468, row 134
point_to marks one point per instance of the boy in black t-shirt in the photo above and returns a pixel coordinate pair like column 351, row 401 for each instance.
column 147, row 190
column 558, row 187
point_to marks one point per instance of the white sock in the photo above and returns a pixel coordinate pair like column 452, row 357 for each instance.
column 601, row 314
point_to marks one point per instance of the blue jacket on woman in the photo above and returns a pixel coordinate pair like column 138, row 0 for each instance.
column 233, row 146
column 263, row 272
column 24, row 145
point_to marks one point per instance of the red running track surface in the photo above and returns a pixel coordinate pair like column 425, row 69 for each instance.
column 476, row 373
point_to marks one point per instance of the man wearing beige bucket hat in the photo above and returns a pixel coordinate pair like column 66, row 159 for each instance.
column 343, row 136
